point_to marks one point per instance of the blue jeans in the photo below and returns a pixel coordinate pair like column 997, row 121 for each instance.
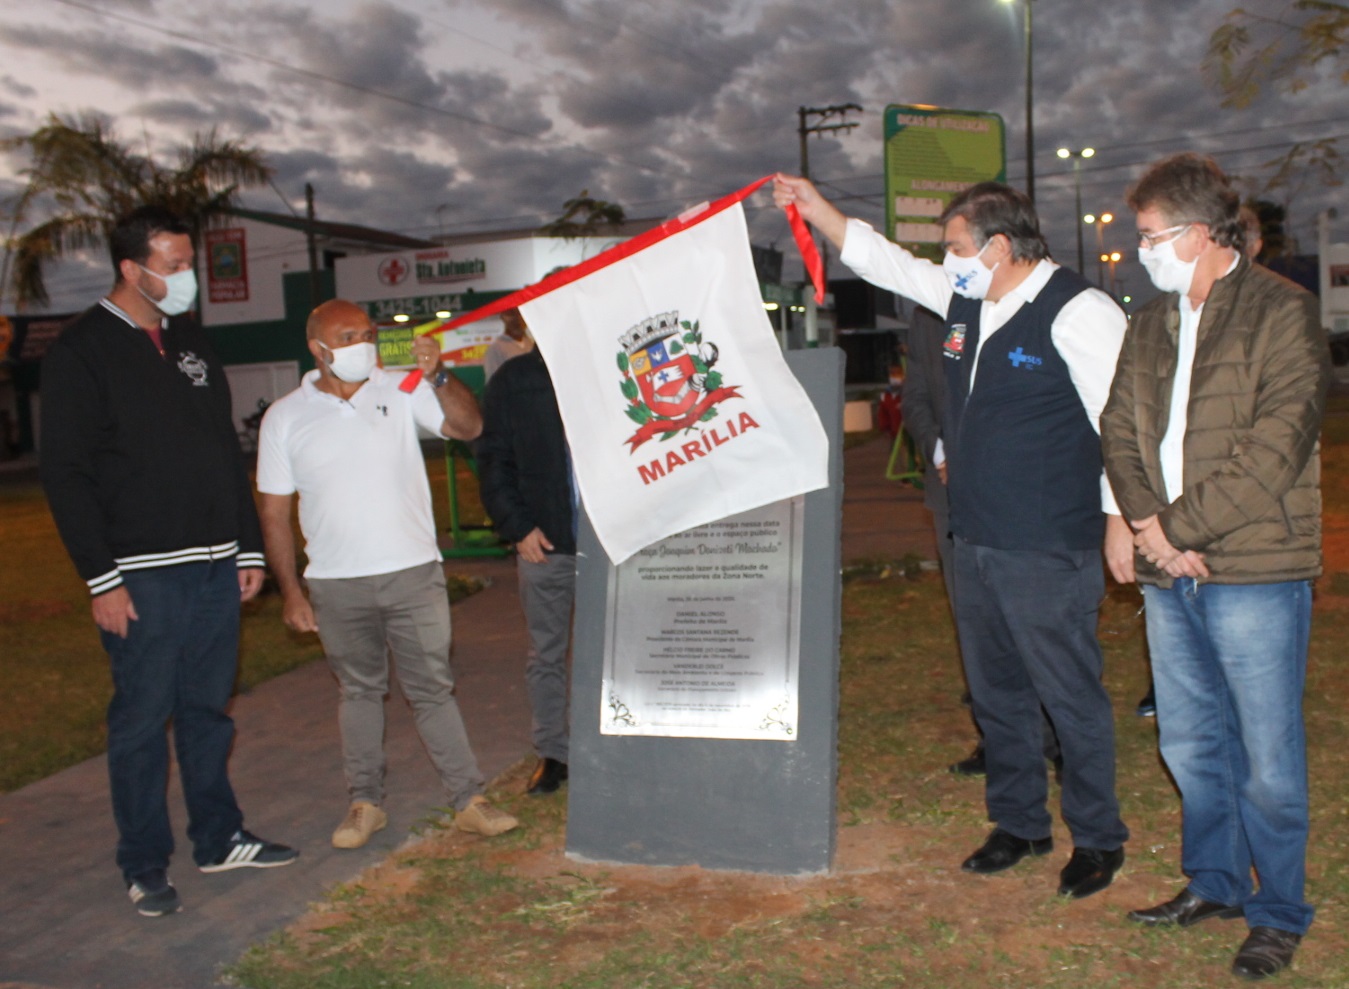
column 1230, row 663
column 177, row 662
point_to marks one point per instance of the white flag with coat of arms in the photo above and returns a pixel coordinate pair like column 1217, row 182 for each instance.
column 678, row 405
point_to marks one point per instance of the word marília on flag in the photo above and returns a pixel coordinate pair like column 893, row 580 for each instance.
column 678, row 406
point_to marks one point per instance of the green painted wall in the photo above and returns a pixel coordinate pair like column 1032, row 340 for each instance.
column 277, row 340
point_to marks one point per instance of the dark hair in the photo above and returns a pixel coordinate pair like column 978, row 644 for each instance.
column 129, row 239
column 1191, row 188
column 992, row 208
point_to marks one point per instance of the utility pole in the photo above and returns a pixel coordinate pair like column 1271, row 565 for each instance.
column 822, row 115
column 313, row 245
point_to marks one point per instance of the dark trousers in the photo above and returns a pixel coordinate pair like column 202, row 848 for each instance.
column 1027, row 625
column 177, row 662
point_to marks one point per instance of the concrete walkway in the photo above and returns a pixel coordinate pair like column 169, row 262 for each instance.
column 66, row 923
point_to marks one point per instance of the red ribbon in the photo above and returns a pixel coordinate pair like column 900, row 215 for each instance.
column 810, row 255
column 627, row 249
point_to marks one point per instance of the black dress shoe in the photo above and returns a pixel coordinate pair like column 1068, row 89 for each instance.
column 1185, row 909
column 1266, row 950
column 1090, row 870
column 1003, row 850
column 549, row 774
column 972, row 766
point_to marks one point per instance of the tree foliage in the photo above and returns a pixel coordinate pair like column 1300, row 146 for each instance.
column 1273, row 219
column 1250, row 50
column 81, row 178
column 584, row 216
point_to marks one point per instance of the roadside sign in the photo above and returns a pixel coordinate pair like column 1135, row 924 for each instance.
column 931, row 154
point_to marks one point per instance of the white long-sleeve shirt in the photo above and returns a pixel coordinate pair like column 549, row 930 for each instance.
column 1087, row 332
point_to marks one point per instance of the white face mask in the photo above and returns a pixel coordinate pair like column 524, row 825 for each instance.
column 353, row 363
column 182, row 289
column 1168, row 272
column 969, row 277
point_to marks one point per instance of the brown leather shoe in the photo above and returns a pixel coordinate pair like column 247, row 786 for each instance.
column 1267, row 950
column 1183, row 910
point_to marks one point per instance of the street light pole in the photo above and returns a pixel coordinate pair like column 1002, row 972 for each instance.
column 1100, row 222
column 1030, row 103
column 1113, row 258
column 1077, row 157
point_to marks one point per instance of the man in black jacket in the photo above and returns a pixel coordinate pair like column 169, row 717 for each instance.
column 525, row 473
column 141, row 465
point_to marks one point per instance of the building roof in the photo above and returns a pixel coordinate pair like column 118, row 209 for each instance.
column 336, row 231
column 628, row 228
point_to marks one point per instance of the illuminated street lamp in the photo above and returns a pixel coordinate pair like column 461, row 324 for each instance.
column 1100, row 222
column 1113, row 258
column 1030, row 117
column 1077, row 157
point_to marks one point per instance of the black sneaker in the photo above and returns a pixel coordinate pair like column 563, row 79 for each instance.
column 1147, row 707
column 248, row 851
column 153, row 894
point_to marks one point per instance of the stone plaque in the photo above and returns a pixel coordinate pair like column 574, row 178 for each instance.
column 703, row 632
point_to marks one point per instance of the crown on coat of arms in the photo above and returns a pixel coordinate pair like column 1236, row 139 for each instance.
column 648, row 331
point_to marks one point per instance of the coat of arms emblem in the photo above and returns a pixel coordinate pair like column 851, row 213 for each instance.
column 669, row 379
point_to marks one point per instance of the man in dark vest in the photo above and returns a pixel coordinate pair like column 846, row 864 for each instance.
column 1029, row 354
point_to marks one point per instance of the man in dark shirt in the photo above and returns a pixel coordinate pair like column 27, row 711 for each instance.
column 141, row 466
column 527, row 491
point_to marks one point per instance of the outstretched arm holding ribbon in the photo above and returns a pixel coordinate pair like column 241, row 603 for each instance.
column 793, row 192
column 813, row 207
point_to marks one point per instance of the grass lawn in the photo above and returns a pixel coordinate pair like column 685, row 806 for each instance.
column 54, row 680
column 455, row 912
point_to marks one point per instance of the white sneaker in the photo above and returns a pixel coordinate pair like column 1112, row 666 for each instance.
column 363, row 819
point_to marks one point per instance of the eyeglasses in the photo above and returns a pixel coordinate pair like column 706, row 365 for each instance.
column 1160, row 237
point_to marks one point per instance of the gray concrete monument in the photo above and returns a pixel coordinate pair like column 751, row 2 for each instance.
column 705, row 683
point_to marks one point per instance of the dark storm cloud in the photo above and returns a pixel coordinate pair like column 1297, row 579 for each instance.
column 655, row 63
column 659, row 105
column 384, row 83
column 232, row 119
column 389, row 189
column 16, row 88
column 116, row 59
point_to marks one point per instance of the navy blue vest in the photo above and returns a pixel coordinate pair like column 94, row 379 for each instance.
column 1023, row 461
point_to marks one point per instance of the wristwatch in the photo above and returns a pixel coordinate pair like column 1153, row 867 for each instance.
column 441, row 376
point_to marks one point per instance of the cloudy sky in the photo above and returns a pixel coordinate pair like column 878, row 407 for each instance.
column 425, row 116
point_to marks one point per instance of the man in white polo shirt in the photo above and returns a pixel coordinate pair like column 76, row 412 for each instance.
column 346, row 441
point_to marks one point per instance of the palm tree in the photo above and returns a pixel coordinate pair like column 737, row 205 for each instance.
column 599, row 214
column 88, row 178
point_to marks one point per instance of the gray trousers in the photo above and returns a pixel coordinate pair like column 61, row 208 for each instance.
column 547, row 591
column 361, row 620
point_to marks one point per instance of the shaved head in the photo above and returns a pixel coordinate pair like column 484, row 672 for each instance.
column 333, row 314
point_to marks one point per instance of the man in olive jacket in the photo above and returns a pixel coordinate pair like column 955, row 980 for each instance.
column 1211, row 445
